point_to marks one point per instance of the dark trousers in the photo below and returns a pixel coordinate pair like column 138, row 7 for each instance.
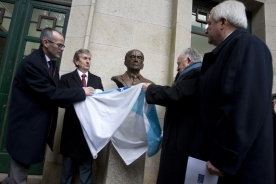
column 84, row 165
column 18, row 173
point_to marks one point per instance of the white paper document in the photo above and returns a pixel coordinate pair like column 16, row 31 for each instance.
column 197, row 173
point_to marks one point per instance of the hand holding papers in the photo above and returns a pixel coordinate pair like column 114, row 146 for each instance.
column 197, row 173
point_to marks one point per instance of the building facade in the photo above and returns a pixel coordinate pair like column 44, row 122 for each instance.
column 161, row 29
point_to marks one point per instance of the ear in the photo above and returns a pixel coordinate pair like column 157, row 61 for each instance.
column 189, row 60
column 223, row 21
column 76, row 63
column 45, row 43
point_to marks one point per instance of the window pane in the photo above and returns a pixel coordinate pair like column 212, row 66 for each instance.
column 8, row 8
column 8, row 15
column 59, row 29
column 32, row 31
column 36, row 13
column 5, row 25
column 200, row 43
column 30, row 46
column 46, row 23
column 60, row 18
column 202, row 17
column 194, row 22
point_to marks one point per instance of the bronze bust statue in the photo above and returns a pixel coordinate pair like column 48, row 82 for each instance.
column 134, row 61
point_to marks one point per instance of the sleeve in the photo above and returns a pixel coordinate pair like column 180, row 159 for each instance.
column 167, row 96
column 38, row 81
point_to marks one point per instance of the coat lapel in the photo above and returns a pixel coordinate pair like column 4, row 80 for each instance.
column 90, row 80
column 76, row 78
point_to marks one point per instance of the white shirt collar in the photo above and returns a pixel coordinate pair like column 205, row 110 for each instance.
column 80, row 73
column 227, row 35
column 47, row 58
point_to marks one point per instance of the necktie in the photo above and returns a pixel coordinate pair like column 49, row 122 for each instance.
column 83, row 80
column 135, row 80
column 50, row 67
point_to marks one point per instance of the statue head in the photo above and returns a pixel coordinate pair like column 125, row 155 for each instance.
column 134, row 60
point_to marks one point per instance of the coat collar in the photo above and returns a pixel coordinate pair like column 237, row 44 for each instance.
column 44, row 62
column 230, row 37
column 209, row 57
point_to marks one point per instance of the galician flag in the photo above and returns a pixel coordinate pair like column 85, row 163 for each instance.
column 122, row 116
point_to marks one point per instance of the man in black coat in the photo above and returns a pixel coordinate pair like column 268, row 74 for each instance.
column 73, row 144
column 235, row 133
column 182, row 102
column 34, row 105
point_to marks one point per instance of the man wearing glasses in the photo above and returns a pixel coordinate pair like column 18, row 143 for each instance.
column 34, row 104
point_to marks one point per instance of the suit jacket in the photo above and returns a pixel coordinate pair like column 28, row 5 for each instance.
column 235, row 131
column 182, row 102
column 73, row 143
column 33, row 109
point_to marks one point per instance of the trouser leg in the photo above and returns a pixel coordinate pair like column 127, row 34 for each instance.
column 67, row 171
column 18, row 173
column 85, row 169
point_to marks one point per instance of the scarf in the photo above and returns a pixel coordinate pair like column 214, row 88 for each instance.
column 187, row 69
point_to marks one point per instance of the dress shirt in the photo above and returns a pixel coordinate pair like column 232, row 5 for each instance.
column 80, row 74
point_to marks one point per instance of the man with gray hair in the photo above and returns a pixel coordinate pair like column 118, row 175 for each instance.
column 34, row 103
column 235, row 133
column 182, row 103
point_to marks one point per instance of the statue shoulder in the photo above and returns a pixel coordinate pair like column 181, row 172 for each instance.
column 145, row 80
column 118, row 77
column 119, row 80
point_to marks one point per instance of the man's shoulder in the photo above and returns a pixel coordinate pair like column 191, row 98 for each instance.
column 34, row 57
column 68, row 75
column 247, row 38
column 93, row 75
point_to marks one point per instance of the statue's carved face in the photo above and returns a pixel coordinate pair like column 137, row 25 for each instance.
column 135, row 60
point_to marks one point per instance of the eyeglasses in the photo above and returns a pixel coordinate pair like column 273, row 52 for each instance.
column 60, row 46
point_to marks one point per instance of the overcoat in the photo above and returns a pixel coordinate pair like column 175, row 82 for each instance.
column 34, row 106
column 73, row 143
column 182, row 107
column 235, row 131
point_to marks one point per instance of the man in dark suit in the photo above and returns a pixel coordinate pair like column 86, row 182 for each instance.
column 235, row 133
column 182, row 102
column 73, row 144
column 34, row 105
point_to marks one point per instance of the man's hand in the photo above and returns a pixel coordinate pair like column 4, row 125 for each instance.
column 213, row 170
column 145, row 86
column 88, row 91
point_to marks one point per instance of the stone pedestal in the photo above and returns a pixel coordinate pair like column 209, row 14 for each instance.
column 119, row 172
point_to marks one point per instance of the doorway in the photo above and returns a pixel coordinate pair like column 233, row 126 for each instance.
column 21, row 22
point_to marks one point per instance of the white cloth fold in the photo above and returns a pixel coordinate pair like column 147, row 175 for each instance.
column 123, row 116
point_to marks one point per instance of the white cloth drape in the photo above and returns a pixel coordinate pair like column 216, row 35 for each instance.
column 122, row 116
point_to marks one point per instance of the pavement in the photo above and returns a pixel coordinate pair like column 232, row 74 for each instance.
column 32, row 179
